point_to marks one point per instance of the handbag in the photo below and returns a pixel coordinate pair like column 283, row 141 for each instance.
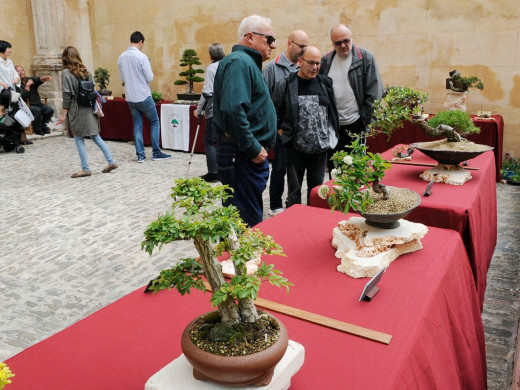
column 22, row 118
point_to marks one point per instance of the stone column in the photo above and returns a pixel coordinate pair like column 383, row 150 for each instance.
column 50, row 34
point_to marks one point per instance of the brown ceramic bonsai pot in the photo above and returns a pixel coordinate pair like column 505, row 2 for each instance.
column 256, row 369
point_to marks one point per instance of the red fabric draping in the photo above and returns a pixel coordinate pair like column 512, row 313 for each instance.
column 470, row 209
column 427, row 303
column 492, row 134
column 117, row 124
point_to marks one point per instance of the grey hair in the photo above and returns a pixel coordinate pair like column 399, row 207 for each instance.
column 252, row 23
column 216, row 51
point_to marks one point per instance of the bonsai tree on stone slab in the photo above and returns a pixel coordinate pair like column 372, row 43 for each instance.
column 189, row 58
column 197, row 214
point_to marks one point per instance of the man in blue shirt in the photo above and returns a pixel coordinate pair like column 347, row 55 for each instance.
column 136, row 73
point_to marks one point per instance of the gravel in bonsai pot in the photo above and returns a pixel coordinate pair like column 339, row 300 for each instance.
column 189, row 58
column 102, row 78
column 197, row 214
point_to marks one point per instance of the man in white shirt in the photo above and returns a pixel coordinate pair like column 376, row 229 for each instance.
column 136, row 73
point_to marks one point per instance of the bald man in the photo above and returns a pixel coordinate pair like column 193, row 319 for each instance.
column 307, row 119
column 357, row 83
column 273, row 72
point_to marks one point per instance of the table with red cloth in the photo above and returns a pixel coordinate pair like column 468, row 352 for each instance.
column 117, row 124
column 426, row 301
column 491, row 133
column 470, row 209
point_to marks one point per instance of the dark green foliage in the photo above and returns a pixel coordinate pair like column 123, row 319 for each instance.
column 189, row 58
column 459, row 120
column 102, row 77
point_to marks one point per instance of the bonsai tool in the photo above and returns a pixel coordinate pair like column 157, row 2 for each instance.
column 207, row 98
column 428, row 190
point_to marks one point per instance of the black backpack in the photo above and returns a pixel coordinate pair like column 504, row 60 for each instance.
column 86, row 93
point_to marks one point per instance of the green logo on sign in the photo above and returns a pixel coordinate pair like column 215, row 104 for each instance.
column 175, row 122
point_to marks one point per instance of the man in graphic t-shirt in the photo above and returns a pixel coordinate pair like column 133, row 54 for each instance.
column 307, row 121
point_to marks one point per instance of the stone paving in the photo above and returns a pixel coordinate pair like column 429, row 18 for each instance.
column 71, row 246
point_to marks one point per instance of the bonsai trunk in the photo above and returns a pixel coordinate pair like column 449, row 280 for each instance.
column 228, row 309
column 443, row 130
column 380, row 188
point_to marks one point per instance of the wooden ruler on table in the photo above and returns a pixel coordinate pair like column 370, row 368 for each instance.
column 328, row 322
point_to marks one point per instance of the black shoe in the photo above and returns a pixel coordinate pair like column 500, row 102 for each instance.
column 210, row 177
column 26, row 142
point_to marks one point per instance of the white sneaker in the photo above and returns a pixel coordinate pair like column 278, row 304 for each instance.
column 275, row 211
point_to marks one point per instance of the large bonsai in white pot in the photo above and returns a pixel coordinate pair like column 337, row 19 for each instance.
column 197, row 214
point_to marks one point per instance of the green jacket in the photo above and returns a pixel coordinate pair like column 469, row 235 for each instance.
column 242, row 106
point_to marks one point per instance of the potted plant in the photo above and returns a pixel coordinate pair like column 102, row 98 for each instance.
column 189, row 58
column 400, row 104
column 356, row 169
column 197, row 214
column 458, row 86
column 156, row 96
column 5, row 375
column 102, row 77
column 510, row 171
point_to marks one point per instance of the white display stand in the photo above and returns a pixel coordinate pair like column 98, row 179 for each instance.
column 178, row 375
column 175, row 126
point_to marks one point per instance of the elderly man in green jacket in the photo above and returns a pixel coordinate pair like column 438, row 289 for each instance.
column 244, row 117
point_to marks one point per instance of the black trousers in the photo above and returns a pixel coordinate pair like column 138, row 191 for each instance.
column 356, row 128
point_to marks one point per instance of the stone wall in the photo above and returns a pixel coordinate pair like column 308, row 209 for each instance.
column 416, row 42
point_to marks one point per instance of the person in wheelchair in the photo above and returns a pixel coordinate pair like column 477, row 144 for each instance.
column 29, row 89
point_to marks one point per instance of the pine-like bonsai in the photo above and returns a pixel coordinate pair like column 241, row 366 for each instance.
column 102, row 77
column 189, row 58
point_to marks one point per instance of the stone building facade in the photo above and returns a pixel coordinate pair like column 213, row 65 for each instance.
column 416, row 42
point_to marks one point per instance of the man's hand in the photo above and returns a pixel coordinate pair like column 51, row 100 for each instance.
column 195, row 114
column 28, row 84
column 280, row 132
column 261, row 157
column 46, row 78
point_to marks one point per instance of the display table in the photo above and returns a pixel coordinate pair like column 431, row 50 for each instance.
column 427, row 302
column 470, row 209
column 117, row 124
column 491, row 133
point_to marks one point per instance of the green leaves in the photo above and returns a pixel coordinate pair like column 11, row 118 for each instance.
column 459, row 120
column 352, row 171
column 184, row 276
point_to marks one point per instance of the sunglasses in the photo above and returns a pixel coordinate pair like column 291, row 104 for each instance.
column 311, row 63
column 299, row 45
column 339, row 43
column 269, row 38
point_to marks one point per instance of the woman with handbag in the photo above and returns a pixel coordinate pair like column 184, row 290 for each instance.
column 82, row 120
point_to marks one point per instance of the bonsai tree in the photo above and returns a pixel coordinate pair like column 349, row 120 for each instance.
column 197, row 214
column 189, row 58
column 102, row 77
column 353, row 170
column 156, row 96
column 458, row 83
column 400, row 104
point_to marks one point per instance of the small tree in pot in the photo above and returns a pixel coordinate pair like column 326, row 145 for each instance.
column 197, row 214
column 189, row 58
column 102, row 77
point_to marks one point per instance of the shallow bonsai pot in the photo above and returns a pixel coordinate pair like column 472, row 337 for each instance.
column 256, row 368
column 389, row 221
column 449, row 157
column 105, row 93
column 192, row 97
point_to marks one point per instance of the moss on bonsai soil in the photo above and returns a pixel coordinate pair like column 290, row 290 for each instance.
column 210, row 335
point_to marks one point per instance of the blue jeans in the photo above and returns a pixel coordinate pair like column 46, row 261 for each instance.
column 247, row 178
column 297, row 164
column 80, row 144
column 278, row 170
column 146, row 107
column 210, row 145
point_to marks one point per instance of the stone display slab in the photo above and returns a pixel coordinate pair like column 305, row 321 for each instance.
column 178, row 375
column 449, row 174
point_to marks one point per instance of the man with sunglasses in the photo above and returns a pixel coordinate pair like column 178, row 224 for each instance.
column 357, row 84
column 244, row 118
column 273, row 72
column 308, row 122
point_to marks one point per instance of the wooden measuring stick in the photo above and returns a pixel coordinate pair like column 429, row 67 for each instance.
column 322, row 320
column 428, row 165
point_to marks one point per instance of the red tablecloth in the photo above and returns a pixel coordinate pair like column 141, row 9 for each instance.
column 117, row 124
column 427, row 303
column 492, row 134
column 470, row 209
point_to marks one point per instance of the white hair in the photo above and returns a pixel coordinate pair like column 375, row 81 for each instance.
column 252, row 23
